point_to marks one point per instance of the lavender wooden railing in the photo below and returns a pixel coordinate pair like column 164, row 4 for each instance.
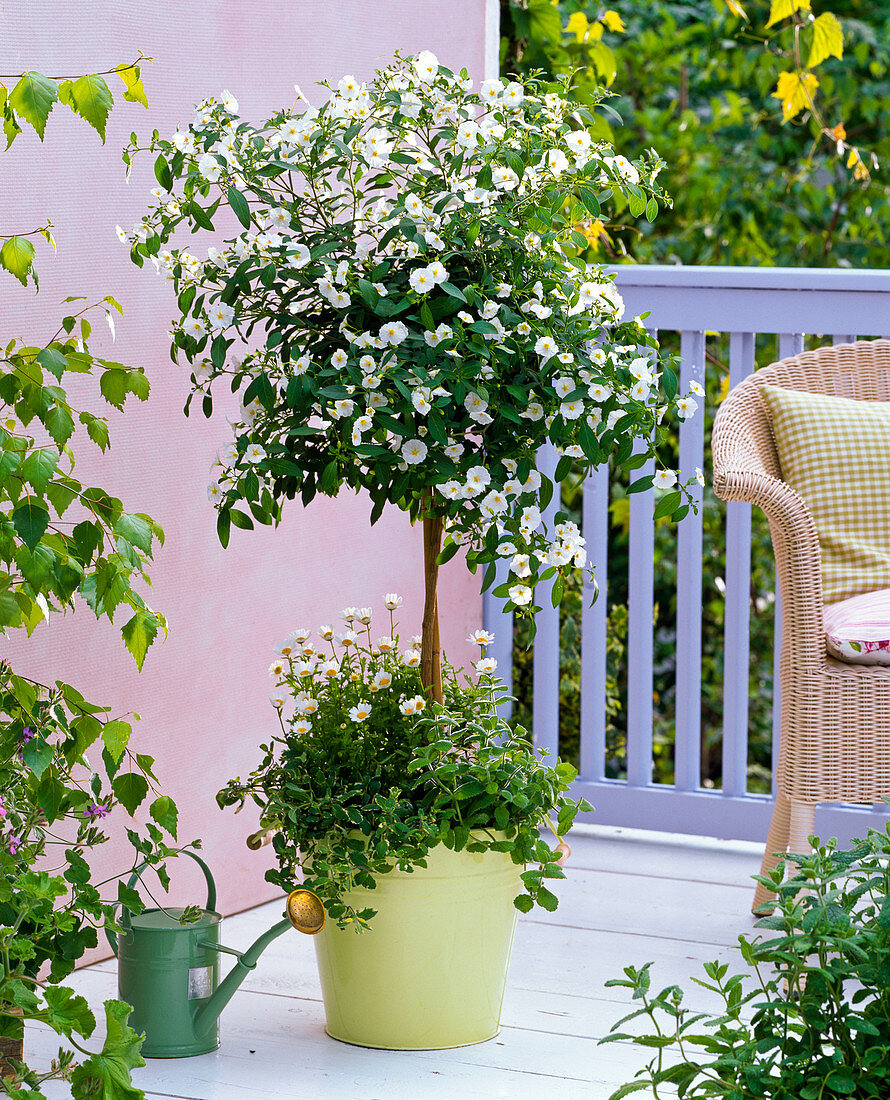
column 697, row 302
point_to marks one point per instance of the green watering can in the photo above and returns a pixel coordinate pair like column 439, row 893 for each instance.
column 169, row 972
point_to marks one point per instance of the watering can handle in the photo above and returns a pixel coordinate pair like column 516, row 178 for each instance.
column 125, row 912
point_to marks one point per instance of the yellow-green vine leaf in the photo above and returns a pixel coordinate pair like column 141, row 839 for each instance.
column 577, row 25
column 33, row 98
column 135, row 92
column 782, row 9
column 91, row 99
column 614, row 22
column 17, row 256
column 736, row 8
column 828, row 39
column 795, row 92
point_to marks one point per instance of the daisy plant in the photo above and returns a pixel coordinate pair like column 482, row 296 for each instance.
column 367, row 773
column 394, row 288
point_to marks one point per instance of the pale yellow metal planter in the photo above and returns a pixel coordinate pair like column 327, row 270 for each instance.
column 431, row 971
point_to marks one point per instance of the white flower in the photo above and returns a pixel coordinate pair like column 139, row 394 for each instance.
column 534, row 411
column 407, row 707
column 347, row 638
column 302, row 727
column 491, row 90
column 383, row 679
column 443, row 332
column 304, row 669
column 664, row 479
column 302, row 365
column 426, row 65
column 486, row 666
column 229, row 102
column 277, row 668
column 578, row 141
column 546, row 347
column 195, row 328
column 299, row 255
column 478, row 479
column 520, row 594
column 598, row 392
column 414, row 451
column 220, row 316
column 360, row 712
column 254, row 453
column 697, row 389
column 121, row 235
column 348, row 87
column 339, row 359
column 420, row 399
column 686, row 406
column 699, row 476
column 364, row 615
column 504, row 179
column 454, row 450
column 394, row 332
column 556, row 161
column 301, row 634
column 278, row 699
column 519, row 565
column 421, row 280
column 438, row 272
column 564, row 386
column 467, row 134
column 330, row 669
column 494, row 503
column 214, row 492
column 513, row 94
column 392, row 601
column 624, row 168
column 306, row 704
column 343, row 408
column 363, row 424
column 411, row 658
column 481, row 638
column 453, row 490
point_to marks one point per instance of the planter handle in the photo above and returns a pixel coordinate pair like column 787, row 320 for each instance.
column 111, row 935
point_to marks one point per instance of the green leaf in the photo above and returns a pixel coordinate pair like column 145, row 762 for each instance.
column 39, row 467
column 523, row 903
column 239, row 205
column 90, row 98
column 130, row 75
column 667, row 504
column 97, row 430
column 33, row 98
column 30, row 520
column 164, row 811
column 130, row 790
column 59, row 424
column 544, row 22
column 651, row 210
column 116, row 736
column 67, row 1012
column 106, row 1075
column 17, row 256
column 135, row 530
column 454, row 291
column 591, row 203
column 138, row 634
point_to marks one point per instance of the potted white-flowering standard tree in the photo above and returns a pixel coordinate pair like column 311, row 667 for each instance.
column 403, row 309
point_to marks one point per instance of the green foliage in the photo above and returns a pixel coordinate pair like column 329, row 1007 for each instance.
column 810, row 1017
column 368, row 775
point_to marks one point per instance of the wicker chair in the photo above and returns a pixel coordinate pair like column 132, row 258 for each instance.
column 835, row 724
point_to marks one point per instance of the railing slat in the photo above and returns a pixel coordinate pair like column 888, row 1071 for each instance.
column 641, row 597
column 736, row 618
column 545, row 700
column 790, row 343
column 687, row 743
column 595, row 528
column 500, row 623
column 843, row 339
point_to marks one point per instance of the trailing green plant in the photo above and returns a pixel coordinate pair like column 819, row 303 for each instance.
column 369, row 774
column 65, row 763
column 810, row 1017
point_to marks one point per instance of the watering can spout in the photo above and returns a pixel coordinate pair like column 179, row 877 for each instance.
column 305, row 912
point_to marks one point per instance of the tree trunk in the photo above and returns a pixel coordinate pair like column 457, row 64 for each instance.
column 430, row 655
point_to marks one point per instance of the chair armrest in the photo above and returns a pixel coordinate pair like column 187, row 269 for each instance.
column 796, row 549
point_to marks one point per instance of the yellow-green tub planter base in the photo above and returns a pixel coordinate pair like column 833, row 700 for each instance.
column 431, row 971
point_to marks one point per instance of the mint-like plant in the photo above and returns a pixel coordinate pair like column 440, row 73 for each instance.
column 810, row 1017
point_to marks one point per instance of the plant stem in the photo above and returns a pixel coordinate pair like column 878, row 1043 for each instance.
column 430, row 655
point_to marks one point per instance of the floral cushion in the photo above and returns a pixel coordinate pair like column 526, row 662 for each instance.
column 858, row 630
column 835, row 452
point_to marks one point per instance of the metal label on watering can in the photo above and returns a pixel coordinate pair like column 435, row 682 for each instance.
column 168, row 971
column 200, row 983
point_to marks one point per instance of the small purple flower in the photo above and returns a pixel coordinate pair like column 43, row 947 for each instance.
column 97, row 810
column 27, row 735
column 13, row 843
column 2, row 807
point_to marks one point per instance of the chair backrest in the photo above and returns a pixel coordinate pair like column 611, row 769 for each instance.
column 743, row 427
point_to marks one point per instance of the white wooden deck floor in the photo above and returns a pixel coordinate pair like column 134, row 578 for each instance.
column 630, row 897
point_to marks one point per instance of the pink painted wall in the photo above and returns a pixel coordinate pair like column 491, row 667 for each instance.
column 203, row 695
